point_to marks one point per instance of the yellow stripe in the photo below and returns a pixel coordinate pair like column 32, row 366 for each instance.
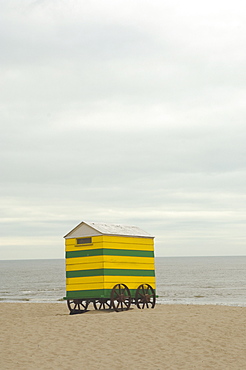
column 85, row 266
column 129, row 279
column 128, row 259
column 78, row 260
column 85, row 280
column 70, row 241
column 115, row 239
column 135, row 266
column 110, row 265
column 112, row 259
column 110, row 279
column 91, row 286
column 71, row 248
column 132, row 285
column 124, row 239
column 143, row 247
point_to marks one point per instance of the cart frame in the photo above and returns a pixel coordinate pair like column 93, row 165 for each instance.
column 120, row 300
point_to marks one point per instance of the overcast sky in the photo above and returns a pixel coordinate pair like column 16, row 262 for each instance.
column 128, row 112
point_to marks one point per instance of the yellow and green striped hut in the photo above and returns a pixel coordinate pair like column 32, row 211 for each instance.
column 109, row 265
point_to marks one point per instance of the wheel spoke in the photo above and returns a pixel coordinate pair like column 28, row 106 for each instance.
column 145, row 296
column 117, row 294
column 120, row 298
column 77, row 305
column 101, row 304
column 127, row 303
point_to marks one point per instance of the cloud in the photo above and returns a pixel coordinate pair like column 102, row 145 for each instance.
column 123, row 112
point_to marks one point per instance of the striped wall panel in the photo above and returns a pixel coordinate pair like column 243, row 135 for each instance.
column 109, row 272
column 109, row 252
column 93, row 269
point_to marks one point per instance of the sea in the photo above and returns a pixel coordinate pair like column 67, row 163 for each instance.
column 180, row 280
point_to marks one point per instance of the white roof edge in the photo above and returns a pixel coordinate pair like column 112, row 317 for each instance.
column 76, row 227
column 113, row 230
column 73, row 229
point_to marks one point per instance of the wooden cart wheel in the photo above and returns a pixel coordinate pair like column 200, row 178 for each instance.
column 77, row 305
column 101, row 304
column 145, row 296
column 120, row 298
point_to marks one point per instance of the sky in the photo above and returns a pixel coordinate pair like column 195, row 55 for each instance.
column 126, row 112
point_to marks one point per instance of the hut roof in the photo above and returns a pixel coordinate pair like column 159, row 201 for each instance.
column 85, row 229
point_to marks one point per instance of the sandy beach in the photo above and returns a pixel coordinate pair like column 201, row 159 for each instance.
column 45, row 336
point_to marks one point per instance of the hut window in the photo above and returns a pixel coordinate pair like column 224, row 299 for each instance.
column 84, row 241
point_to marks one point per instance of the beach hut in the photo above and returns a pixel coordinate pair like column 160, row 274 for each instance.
column 110, row 266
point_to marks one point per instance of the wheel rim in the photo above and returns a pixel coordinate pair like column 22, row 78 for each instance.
column 77, row 305
column 101, row 304
column 145, row 296
column 120, row 298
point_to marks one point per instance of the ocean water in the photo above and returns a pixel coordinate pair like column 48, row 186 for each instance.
column 202, row 280
column 182, row 280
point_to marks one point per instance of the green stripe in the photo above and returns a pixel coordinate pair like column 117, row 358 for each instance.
column 109, row 272
column 109, row 252
column 93, row 294
column 97, row 293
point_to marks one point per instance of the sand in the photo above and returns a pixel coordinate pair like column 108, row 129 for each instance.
column 45, row 336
